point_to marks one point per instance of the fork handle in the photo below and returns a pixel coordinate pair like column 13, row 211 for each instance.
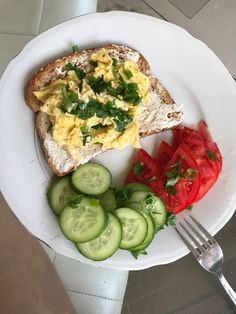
column 231, row 293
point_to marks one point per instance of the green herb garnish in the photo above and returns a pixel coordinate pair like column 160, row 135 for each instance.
column 212, row 155
column 138, row 252
column 75, row 201
column 75, row 48
column 170, row 219
column 190, row 207
column 67, row 104
column 79, row 73
column 87, row 136
column 122, row 195
column 128, row 73
column 138, row 168
column 97, row 84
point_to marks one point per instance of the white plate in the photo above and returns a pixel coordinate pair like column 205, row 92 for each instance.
column 190, row 71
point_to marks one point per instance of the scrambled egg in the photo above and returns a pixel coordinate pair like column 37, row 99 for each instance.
column 74, row 131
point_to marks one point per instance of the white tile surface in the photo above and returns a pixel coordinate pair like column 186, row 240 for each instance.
column 214, row 24
column 51, row 254
column 55, row 11
column 20, row 16
column 93, row 280
column 86, row 304
column 10, row 45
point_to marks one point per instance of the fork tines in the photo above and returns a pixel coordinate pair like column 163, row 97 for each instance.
column 194, row 235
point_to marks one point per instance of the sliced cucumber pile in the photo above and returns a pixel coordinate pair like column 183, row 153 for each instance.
column 100, row 219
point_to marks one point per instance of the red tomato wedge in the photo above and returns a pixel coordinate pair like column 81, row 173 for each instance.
column 165, row 153
column 180, row 181
column 143, row 169
column 204, row 151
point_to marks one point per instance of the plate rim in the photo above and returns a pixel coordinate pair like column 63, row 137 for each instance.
column 56, row 28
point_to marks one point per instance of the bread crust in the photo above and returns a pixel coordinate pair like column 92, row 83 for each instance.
column 158, row 114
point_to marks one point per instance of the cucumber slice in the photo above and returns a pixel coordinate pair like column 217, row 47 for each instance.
column 134, row 227
column 150, row 233
column 152, row 204
column 138, row 197
column 156, row 208
column 136, row 187
column 91, row 179
column 108, row 200
column 59, row 193
column 106, row 244
column 83, row 221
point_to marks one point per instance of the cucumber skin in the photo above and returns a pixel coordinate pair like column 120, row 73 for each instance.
column 113, row 252
column 138, row 187
column 50, row 190
column 130, row 248
column 90, row 194
column 97, row 235
column 144, row 245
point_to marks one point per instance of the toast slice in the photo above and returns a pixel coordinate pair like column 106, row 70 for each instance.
column 158, row 113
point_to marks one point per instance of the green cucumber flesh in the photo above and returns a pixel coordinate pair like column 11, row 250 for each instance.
column 84, row 221
column 134, row 227
column 150, row 233
column 108, row 200
column 158, row 212
column 105, row 245
column 152, row 204
column 138, row 196
column 91, row 179
column 60, row 193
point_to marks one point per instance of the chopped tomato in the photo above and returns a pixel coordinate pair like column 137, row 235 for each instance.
column 164, row 154
column 205, row 152
column 144, row 168
column 180, row 181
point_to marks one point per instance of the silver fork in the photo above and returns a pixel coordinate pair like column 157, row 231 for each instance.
column 205, row 248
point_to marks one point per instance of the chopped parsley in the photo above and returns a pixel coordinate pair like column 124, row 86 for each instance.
column 95, row 108
column 176, row 174
column 79, row 73
column 97, row 84
column 87, row 136
column 128, row 73
column 190, row 207
column 67, row 104
column 122, row 195
column 212, row 155
column 138, row 168
column 75, row 48
column 75, row 201
column 170, row 219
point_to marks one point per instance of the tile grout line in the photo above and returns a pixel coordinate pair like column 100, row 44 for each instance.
column 155, row 10
column 13, row 34
column 41, row 15
column 94, row 295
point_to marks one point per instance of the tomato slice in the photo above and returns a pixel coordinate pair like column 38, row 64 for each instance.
column 143, row 169
column 205, row 152
column 180, row 181
column 165, row 153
